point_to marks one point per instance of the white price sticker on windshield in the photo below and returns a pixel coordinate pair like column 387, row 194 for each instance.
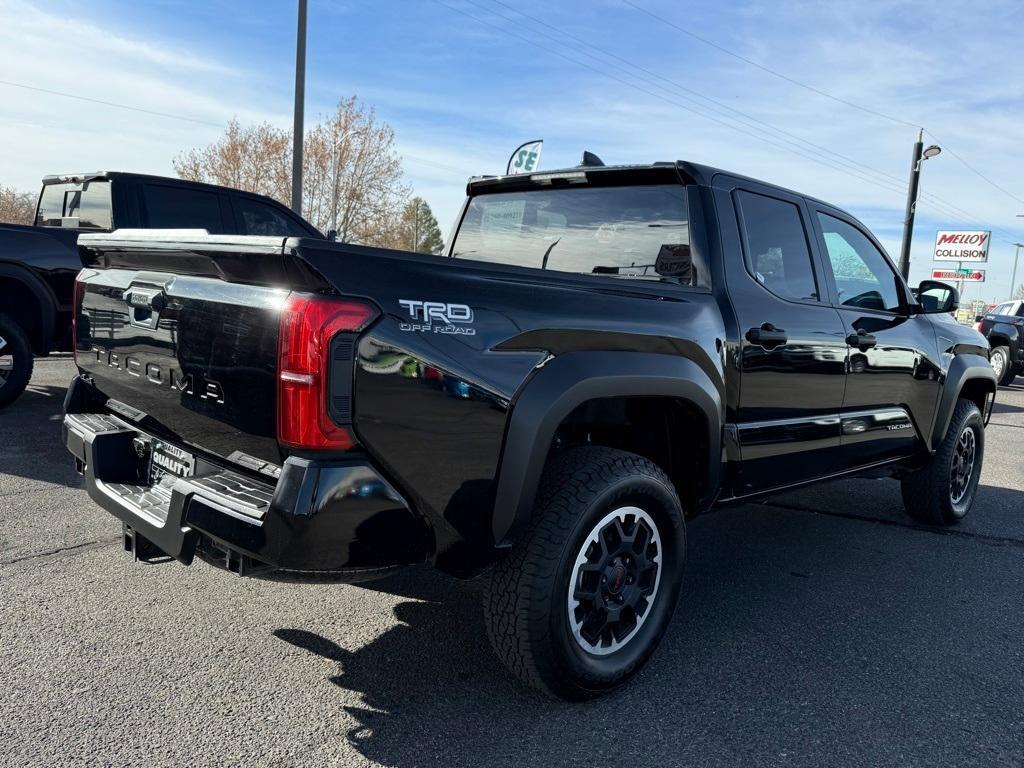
column 503, row 214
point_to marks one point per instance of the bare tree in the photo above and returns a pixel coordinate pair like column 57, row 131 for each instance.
column 16, row 207
column 352, row 174
column 254, row 158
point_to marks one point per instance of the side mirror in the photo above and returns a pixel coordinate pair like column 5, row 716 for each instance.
column 332, row 234
column 978, row 318
column 937, row 298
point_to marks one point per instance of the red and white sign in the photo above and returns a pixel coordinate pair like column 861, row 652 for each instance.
column 962, row 245
column 959, row 275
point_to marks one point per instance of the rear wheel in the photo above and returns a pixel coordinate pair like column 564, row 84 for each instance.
column 942, row 492
column 1001, row 365
column 583, row 599
column 15, row 360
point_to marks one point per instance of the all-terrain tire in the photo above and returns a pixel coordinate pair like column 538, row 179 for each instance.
column 588, row 496
column 942, row 492
column 15, row 346
column 1005, row 370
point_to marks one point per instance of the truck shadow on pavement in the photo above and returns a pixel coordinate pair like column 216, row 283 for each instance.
column 30, row 431
column 799, row 637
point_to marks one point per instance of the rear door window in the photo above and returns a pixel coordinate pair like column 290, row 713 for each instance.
column 778, row 255
column 85, row 205
column 256, row 217
column 173, row 207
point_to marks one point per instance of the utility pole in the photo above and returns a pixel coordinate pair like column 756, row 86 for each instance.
column 416, row 228
column 1013, row 280
column 919, row 156
column 908, row 218
column 298, row 130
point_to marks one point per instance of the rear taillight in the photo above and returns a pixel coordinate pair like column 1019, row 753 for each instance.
column 76, row 307
column 308, row 323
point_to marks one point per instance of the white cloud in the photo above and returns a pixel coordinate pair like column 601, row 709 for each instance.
column 947, row 67
column 48, row 133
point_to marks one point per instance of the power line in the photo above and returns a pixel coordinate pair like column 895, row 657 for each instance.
column 770, row 71
column 748, row 117
column 110, row 103
column 817, row 91
column 973, row 169
column 827, row 162
column 885, row 180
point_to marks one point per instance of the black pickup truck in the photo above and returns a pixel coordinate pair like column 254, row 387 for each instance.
column 1004, row 329
column 38, row 263
column 602, row 354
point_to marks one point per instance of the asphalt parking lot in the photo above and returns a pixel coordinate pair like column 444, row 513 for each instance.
column 820, row 628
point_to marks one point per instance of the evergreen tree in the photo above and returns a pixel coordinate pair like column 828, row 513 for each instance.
column 418, row 230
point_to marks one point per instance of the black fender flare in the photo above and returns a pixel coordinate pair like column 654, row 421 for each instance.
column 1007, row 332
column 964, row 368
column 571, row 379
column 44, row 298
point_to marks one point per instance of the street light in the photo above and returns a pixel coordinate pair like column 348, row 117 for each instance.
column 1013, row 280
column 1016, row 255
column 920, row 153
column 334, row 172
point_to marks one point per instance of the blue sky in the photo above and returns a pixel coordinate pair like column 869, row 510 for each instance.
column 464, row 81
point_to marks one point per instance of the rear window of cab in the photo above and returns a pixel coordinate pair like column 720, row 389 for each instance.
column 627, row 231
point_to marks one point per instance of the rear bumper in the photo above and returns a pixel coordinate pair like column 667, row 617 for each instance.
column 322, row 520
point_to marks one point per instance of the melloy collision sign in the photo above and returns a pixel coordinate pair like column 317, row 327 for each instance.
column 962, row 275
column 526, row 158
column 962, row 246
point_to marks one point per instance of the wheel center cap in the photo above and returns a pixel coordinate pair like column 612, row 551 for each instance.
column 616, row 579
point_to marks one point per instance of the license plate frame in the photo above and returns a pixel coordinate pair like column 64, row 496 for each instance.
column 169, row 461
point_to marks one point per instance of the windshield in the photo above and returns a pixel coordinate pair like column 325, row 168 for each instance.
column 85, row 205
column 632, row 230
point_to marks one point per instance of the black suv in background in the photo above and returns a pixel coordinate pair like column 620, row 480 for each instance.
column 603, row 354
column 1004, row 329
column 38, row 263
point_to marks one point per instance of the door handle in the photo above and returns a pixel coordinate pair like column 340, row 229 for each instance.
column 862, row 340
column 767, row 336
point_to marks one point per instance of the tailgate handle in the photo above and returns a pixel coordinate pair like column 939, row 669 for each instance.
column 145, row 298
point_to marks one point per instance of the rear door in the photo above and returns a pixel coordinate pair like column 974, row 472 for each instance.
column 894, row 372
column 792, row 353
column 176, row 206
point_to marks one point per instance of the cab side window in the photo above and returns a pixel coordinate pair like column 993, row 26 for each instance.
column 778, row 255
column 258, row 218
column 863, row 276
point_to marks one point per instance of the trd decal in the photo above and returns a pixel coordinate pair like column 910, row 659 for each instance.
column 437, row 317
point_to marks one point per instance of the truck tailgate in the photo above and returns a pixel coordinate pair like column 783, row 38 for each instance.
column 188, row 341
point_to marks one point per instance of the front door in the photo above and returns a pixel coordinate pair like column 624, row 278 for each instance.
column 894, row 376
column 792, row 350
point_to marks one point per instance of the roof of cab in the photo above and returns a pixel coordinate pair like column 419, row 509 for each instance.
column 695, row 172
column 78, row 178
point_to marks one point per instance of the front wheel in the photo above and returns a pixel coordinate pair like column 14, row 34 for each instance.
column 1001, row 365
column 15, row 360
column 582, row 601
column 942, row 492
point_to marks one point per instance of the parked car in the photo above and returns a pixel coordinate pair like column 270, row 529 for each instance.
column 642, row 344
column 1003, row 326
column 38, row 263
